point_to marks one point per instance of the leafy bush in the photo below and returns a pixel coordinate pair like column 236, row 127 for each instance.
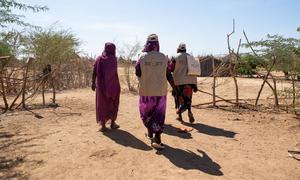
column 248, row 64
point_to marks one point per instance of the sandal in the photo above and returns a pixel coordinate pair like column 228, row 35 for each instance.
column 157, row 146
column 179, row 119
column 114, row 126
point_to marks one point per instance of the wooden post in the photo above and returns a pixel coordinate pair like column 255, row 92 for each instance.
column 236, row 91
column 214, row 83
column 265, row 79
column 25, row 82
column 43, row 93
column 275, row 92
column 232, row 68
column 16, row 98
column 294, row 92
column 3, row 92
column 53, row 91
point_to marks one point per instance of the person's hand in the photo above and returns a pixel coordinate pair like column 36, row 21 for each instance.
column 175, row 90
column 93, row 86
column 195, row 89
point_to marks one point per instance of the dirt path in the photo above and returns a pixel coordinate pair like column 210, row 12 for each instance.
column 65, row 144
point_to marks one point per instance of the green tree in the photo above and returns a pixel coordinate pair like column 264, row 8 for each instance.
column 285, row 50
column 5, row 49
column 248, row 64
column 7, row 16
column 15, row 40
column 50, row 46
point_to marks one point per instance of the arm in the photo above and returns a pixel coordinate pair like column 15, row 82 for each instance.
column 94, row 79
column 171, row 80
column 171, row 64
column 138, row 71
column 194, row 87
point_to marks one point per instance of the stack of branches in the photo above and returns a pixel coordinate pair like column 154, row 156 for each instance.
column 20, row 85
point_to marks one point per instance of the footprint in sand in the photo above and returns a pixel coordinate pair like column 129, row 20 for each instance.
column 103, row 154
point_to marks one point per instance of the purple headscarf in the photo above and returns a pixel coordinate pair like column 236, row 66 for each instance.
column 109, row 51
column 151, row 46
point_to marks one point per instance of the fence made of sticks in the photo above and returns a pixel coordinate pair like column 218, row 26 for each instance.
column 21, row 82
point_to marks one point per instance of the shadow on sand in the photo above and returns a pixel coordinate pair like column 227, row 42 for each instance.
column 210, row 130
column 174, row 131
column 189, row 160
column 10, row 161
column 7, row 168
column 126, row 139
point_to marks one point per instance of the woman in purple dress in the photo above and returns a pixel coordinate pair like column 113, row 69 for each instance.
column 153, row 74
column 106, row 83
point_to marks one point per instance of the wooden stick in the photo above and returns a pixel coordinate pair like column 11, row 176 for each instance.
column 201, row 104
column 231, row 68
column 294, row 92
column 265, row 79
column 24, row 83
column 3, row 92
column 53, row 91
column 214, row 84
column 43, row 94
column 216, row 96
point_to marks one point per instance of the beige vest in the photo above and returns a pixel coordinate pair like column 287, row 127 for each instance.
column 153, row 81
column 181, row 69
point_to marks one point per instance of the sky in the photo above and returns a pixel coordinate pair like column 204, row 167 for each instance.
column 201, row 24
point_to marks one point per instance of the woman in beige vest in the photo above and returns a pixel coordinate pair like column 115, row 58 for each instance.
column 185, row 84
column 153, row 75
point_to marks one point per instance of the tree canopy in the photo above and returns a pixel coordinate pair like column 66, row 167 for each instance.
column 285, row 50
column 51, row 46
column 7, row 16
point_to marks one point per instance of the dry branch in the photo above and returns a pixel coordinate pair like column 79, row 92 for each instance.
column 274, row 89
column 232, row 67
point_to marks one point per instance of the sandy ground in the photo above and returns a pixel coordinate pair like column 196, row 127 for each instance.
column 224, row 144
